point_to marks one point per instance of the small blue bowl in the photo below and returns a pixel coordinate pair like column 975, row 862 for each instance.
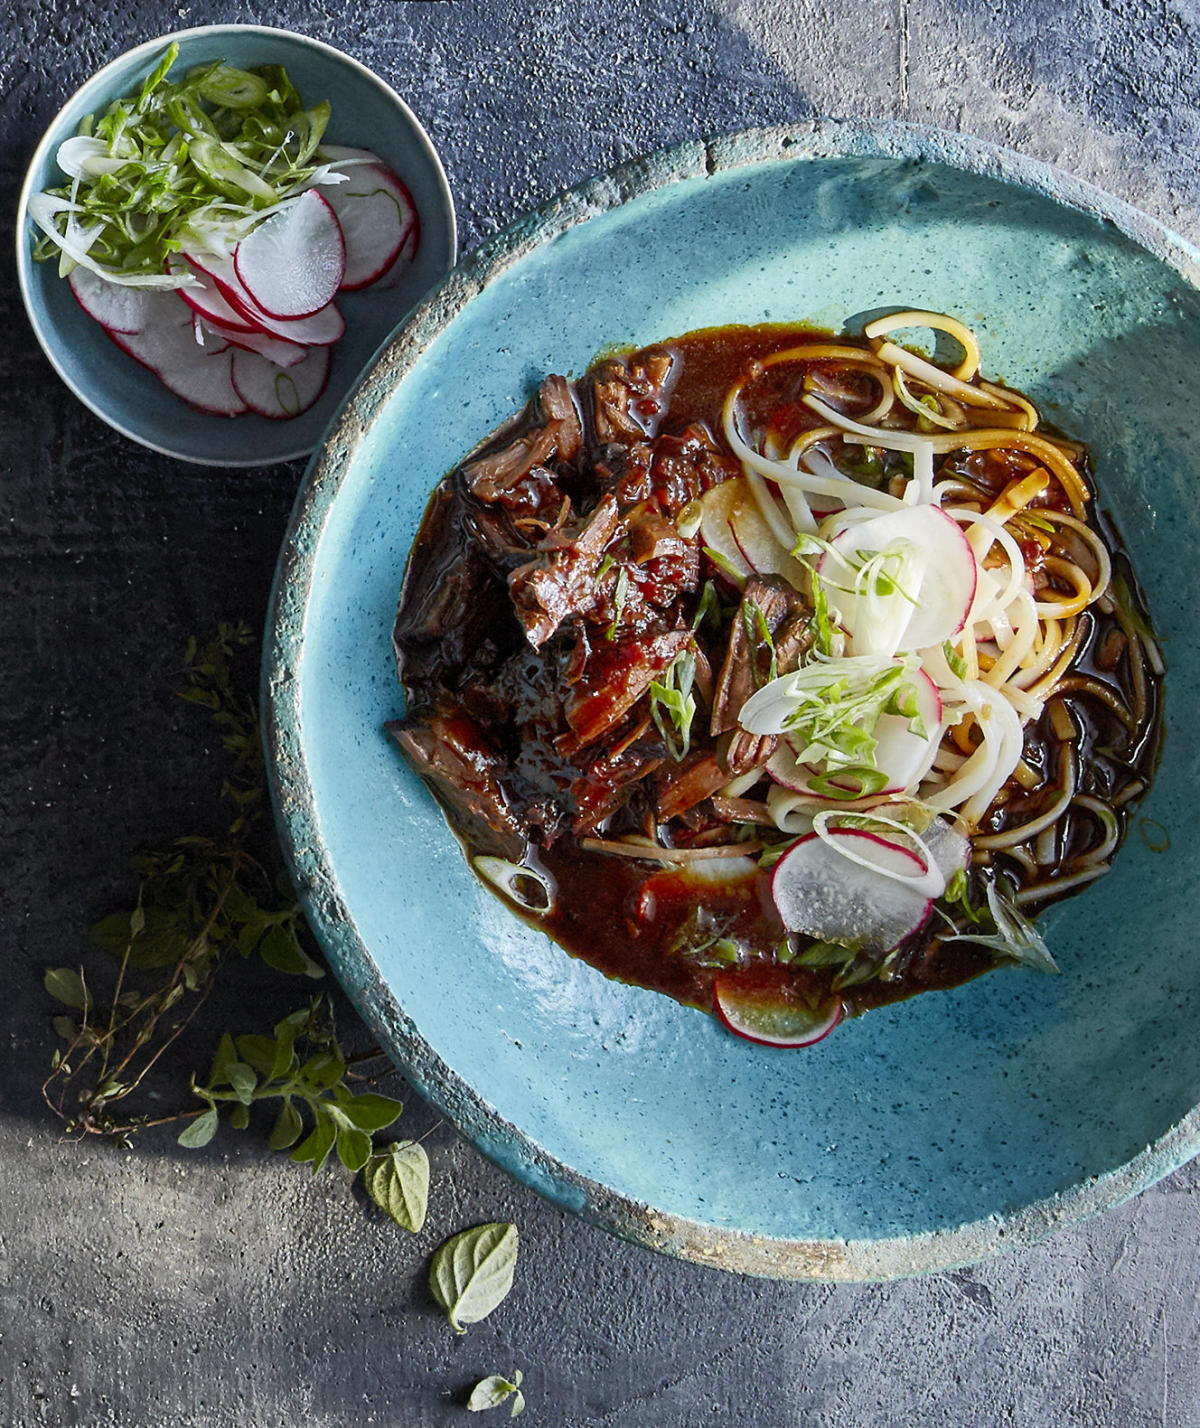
column 919, row 1136
column 366, row 114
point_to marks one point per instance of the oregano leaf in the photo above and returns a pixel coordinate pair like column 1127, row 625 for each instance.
column 353, row 1148
column 285, row 1050
column 242, row 1079
column 66, row 985
column 495, row 1390
column 280, row 949
column 239, row 1117
column 287, row 1128
column 317, row 1144
column 323, row 1070
column 226, row 1054
column 398, row 1182
column 112, row 934
column 473, row 1272
column 257, row 1051
column 371, row 1112
column 201, row 1130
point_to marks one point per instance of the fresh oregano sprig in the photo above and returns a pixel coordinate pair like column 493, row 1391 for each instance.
column 303, row 1068
column 198, row 899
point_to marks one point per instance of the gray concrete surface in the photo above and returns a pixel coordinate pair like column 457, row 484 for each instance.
column 226, row 1287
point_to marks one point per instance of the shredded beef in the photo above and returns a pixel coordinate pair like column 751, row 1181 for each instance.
column 690, row 783
column 464, row 769
column 629, row 395
column 747, row 665
column 561, row 581
column 616, row 678
column 497, row 474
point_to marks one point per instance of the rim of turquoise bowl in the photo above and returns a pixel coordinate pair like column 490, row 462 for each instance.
column 146, row 49
column 466, row 1106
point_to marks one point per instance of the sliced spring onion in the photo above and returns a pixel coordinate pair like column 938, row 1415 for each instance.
column 188, row 163
column 517, row 882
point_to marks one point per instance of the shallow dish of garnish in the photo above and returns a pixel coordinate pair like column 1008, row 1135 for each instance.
column 848, row 657
column 219, row 229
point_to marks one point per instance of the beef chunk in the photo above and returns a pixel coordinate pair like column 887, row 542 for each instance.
column 747, row 662
column 561, row 581
column 747, row 657
column 610, row 781
column 653, row 537
column 452, row 755
column 672, row 470
column 555, row 435
column 614, row 680
column 450, row 601
column 689, row 783
column 630, row 395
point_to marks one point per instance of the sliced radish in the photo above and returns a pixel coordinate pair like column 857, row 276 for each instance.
column 399, row 270
column 731, row 524
column 277, row 392
column 787, row 771
column 377, row 218
column 822, row 893
column 274, row 349
column 292, row 263
column 114, row 306
column 775, row 1007
column 901, row 756
column 320, row 329
column 933, row 566
column 201, row 375
column 205, row 299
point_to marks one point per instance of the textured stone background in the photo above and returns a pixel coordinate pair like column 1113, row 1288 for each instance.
column 223, row 1288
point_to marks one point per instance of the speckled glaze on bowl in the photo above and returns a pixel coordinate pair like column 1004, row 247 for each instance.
column 923, row 1135
column 366, row 114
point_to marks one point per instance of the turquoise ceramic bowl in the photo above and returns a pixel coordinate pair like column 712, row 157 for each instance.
column 366, row 114
column 920, row 1136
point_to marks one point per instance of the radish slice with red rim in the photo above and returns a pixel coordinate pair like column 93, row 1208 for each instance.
column 933, row 567
column 888, row 836
column 201, row 375
column 320, row 329
column 732, row 525
column 902, row 757
column 377, row 216
column 822, row 893
column 396, row 274
column 776, row 1007
column 277, row 392
column 291, row 265
column 205, row 299
column 115, row 307
column 274, row 349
